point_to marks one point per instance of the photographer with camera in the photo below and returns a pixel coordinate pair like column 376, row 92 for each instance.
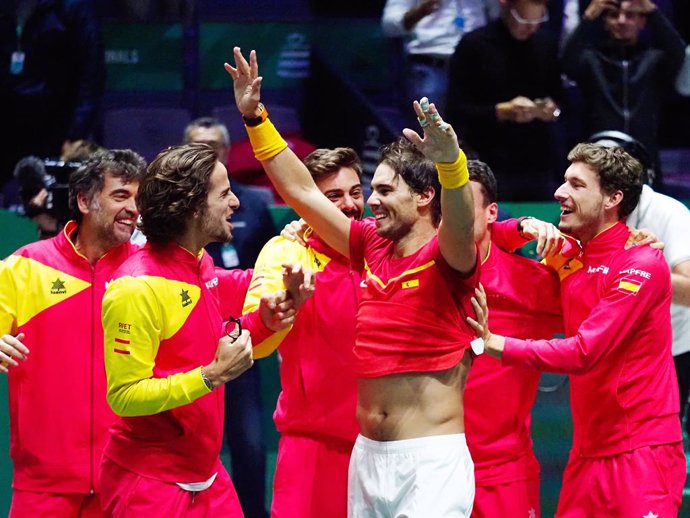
column 624, row 78
column 42, row 186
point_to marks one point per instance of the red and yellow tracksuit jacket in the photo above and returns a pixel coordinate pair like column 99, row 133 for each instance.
column 162, row 319
column 59, row 417
column 317, row 373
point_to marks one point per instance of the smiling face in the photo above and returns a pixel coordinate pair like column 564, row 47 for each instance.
column 221, row 202
column 582, row 202
column 344, row 189
column 626, row 23
column 111, row 214
column 393, row 203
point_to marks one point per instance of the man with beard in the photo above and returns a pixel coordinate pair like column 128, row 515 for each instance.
column 412, row 348
column 50, row 304
column 168, row 352
column 627, row 456
column 316, row 408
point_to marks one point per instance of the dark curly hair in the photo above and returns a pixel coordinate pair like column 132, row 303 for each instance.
column 174, row 188
column 617, row 170
column 89, row 178
column 417, row 170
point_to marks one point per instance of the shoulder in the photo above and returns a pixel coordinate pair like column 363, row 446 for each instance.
column 641, row 263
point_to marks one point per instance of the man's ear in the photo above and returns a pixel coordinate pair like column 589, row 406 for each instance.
column 492, row 214
column 613, row 200
column 425, row 198
column 83, row 202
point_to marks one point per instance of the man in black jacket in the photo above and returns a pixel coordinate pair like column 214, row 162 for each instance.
column 623, row 76
column 503, row 96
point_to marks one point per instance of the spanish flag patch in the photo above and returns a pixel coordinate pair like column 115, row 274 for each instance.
column 629, row 286
column 410, row 284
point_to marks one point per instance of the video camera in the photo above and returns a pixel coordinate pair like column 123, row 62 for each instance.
column 33, row 175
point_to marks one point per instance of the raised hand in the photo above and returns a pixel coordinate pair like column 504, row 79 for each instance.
column 299, row 282
column 246, row 83
column 440, row 143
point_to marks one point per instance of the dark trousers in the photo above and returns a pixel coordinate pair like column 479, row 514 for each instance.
column 244, row 436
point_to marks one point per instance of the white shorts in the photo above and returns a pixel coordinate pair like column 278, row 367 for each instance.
column 428, row 477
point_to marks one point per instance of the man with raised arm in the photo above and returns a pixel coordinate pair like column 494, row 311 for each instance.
column 412, row 349
column 627, row 457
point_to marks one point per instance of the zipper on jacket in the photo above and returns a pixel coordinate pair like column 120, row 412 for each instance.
column 626, row 100
column 91, row 388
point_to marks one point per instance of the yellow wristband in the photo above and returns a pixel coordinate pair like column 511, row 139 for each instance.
column 265, row 139
column 455, row 175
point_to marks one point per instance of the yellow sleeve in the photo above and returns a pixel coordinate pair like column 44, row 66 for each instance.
column 267, row 279
column 133, row 326
column 8, row 298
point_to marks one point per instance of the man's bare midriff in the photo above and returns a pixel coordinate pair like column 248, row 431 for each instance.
column 411, row 405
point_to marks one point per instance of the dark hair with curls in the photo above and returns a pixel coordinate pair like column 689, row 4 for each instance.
column 617, row 170
column 89, row 178
column 418, row 172
column 323, row 161
column 174, row 188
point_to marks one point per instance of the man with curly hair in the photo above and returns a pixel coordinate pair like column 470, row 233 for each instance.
column 168, row 351
column 627, row 456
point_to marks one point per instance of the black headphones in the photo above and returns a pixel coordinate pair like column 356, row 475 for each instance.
column 630, row 145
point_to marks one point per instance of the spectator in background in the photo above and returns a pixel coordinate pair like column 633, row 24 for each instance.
column 622, row 76
column 504, row 91
column 432, row 29
column 52, row 77
column 252, row 228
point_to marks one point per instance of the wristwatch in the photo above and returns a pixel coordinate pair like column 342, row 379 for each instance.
column 205, row 379
column 255, row 121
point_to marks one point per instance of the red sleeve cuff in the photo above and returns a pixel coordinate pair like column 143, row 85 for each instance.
column 253, row 323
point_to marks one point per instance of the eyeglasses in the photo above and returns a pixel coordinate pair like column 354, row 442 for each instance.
column 233, row 328
column 526, row 21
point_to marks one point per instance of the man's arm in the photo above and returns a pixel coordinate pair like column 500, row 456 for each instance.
column 665, row 38
column 680, row 281
column 287, row 173
column 440, row 144
column 606, row 328
column 268, row 278
column 12, row 348
column 130, row 358
column 400, row 16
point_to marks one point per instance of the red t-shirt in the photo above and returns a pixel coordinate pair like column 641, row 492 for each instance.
column 412, row 309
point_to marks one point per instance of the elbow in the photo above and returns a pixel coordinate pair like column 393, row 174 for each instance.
column 119, row 402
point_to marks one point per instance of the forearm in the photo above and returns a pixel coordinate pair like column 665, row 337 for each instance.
column 667, row 39
column 129, row 395
column 295, row 185
column 456, row 232
column 681, row 289
column 393, row 18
